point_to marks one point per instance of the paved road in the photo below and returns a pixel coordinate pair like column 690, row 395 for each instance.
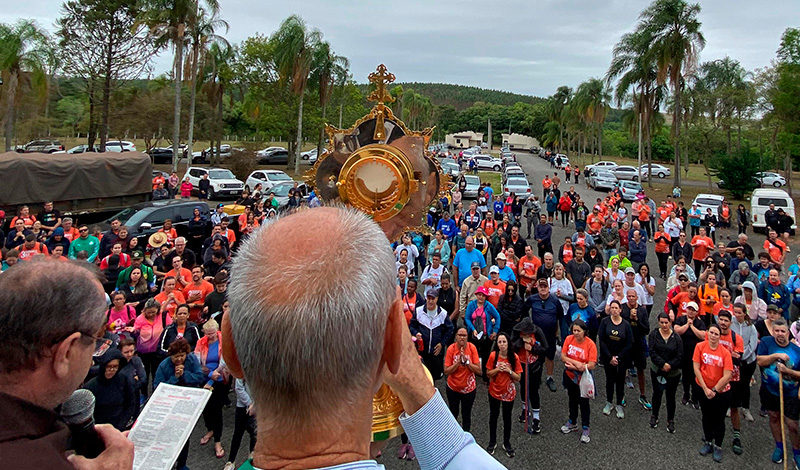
column 615, row 443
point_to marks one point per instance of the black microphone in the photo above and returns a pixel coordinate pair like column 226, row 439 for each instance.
column 78, row 413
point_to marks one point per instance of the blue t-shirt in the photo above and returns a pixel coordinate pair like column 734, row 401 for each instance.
column 489, row 192
column 463, row 261
column 769, row 375
column 507, row 274
column 448, row 228
column 498, row 207
column 793, row 269
column 694, row 222
column 586, row 314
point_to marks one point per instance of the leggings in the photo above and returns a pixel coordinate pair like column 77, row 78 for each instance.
column 615, row 378
column 565, row 217
column 150, row 361
column 662, row 262
column 746, row 372
column 243, row 422
column 212, row 414
column 456, row 400
column 713, row 411
column 494, row 412
column 576, row 401
column 534, row 380
column 698, row 266
column 691, row 391
column 434, row 363
column 658, row 389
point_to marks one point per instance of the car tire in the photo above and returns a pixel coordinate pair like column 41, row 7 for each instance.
column 662, row 175
column 211, row 194
column 777, row 184
column 635, row 178
column 496, row 168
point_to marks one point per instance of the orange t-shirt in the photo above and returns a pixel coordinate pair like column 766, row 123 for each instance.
column 567, row 254
column 595, row 223
column 501, row 387
column 775, row 252
column 644, row 212
column 585, row 352
column 662, row 246
column 172, row 234
column 703, row 245
column 185, row 274
column 496, row 291
column 680, row 301
column 663, row 213
column 72, row 234
column 718, row 307
column 171, row 308
column 230, row 235
column 725, row 212
column 704, row 293
column 28, row 221
column 26, row 254
column 546, row 183
column 203, row 289
column 528, row 267
column 463, row 379
column 713, row 363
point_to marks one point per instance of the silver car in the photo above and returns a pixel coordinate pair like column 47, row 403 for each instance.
column 602, row 179
column 518, row 186
column 451, row 169
column 629, row 173
column 630, row 189
column 471, row 185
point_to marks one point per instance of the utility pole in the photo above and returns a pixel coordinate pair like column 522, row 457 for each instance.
column 489, row 121
column 639, row 168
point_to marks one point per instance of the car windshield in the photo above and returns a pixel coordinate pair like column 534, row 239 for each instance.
column 279, row 177
column 779, row 202
column 472, row 180
column 449, row 166
column 707, row 201
column 123, row 216
column 633, row 186
column 516, row 182
column 605, row 174
column 282, row 189
column 221, row 175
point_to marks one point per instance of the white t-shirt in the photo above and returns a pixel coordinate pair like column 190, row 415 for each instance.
column 647, row 299
column 431, row 273
column 640, row 292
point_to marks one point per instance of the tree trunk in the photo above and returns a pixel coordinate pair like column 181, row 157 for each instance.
column 676, row 133
column 299, row 134
column 600, row 141
column 321, row 130
column 192, row 100
column 13, row 79
column 91, row 135
column 176, row 110
column 106, row 98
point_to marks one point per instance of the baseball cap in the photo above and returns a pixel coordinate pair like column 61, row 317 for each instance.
column 772, row 307
column 543, row 282
column 494, row 269
column 481, row 290
column 137, row 255
column 501, row 256
column 692, row 305
column 630, row 270
column 683, row 276
column 476, row 264
column 432, row 292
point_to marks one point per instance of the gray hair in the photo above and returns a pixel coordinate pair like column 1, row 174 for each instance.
column 29, row 294
column 309, row 349
column 66, row 219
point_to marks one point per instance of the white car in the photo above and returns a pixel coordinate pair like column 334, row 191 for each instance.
column 450, row 168
column 487, row 162
column 628, row 173
column 769, row 178
column 519, row 186
column 514, row 172
column 471, row 185
column 310, row 156
column 629, row 190
column 120, row 146
column 268, row 150
column 602, row 165
column 656, row 170
column 267, row 178
column 602, row 179
column 222, row 181
column 708, row 201
column 564, row 161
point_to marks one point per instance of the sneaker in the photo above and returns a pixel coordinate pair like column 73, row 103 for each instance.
column 607, row 409
column 763, row 413
column 568, row 427
column 522, row 417
column 671, row 427
column 696, row 405
column 536, row 428
column 490, row 448
column 551, row 384
column 653, row 422
column 706, row 449
column 411, row 455
column 777, row 455
column 585, row 436
column 628, row 382
column 747, row 415
column 728, row 413
column 717, row 454
column 229, row 466
column 685, row 401
column 402, row 451
column 509, row 451
column 620, row 412
column 737, row 446
column 645, row 404
column 624, row 403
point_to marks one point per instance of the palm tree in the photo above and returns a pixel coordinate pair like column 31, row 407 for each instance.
column 218, row 74
column 23, row 53
column 202, row 34
column 593, row 97
column 168, row 21
column 294, row 45
column 327, row 70
column 676, row 45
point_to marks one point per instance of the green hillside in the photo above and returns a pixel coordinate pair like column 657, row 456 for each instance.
column 460, row 96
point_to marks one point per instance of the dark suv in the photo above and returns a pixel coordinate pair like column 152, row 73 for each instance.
column 147, row 218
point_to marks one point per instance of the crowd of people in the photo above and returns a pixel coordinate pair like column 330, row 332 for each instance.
column 484, row 303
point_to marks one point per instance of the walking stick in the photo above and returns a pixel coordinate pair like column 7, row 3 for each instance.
column 527, row 397
column 783, row 430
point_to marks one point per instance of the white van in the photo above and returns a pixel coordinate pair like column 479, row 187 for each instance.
column 760, row 201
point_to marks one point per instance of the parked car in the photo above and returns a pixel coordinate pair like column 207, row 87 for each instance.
column 267, row 178
column 656, row 170
column 471, row 184
column 161, row 154
column 205, row 155
column 487, row 162
column 272, row 155
column 564, row 161
column 76, row 150
column 120, row 146
column 514, row 172
column 534, row 149
column 450, row 168
column 602, row 165
column 770, row 178
column 41, row 146
column 484, row 145
column 163, row 174
column 602, row 179
column 759, row 204
column 146, row 218
column 223, row 182
column 518, row 186
column 628, row 173
column 708, row 201
column 280, row 191
column 309, row 156
column 630, row 189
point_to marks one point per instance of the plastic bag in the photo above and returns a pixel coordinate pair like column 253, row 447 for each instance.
column 587, row 385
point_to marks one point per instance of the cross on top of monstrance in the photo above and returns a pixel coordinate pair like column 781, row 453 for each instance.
column 381, row 77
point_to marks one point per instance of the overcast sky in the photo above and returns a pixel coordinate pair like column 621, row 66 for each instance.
column 525, row 46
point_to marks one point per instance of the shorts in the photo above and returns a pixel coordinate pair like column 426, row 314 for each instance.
column 638, row 358
column 737, row 390
column 770, row 402
column 550, row 336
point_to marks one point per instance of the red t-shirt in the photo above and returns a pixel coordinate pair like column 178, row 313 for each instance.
column 463, row 379
column 701, row 247
column 501, row 387
column 585, row 352
column 203, row 289
column 496, row 291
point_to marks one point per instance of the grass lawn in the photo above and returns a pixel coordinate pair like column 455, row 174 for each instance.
column 492, row 177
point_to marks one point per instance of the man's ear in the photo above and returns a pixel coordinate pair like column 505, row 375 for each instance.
column 66, row 354
column 229, row 349
column 394, row 337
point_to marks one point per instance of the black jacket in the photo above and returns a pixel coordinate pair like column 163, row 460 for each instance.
column 538, row 349
column 115, row 397
column 665, row 352
column 511, row 312
column 191, row 334
column 685, row 251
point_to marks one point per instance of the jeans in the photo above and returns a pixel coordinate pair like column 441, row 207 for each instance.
column 243, row 422
column 713, row 411
column 608, row 253
column 494, row 412
column 456, row 400
column 658, row 390
column 615, row 379
column 435, row 364
column 576, row 401
column 532, row 221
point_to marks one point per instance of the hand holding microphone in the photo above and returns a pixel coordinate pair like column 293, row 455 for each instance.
column 102, row 446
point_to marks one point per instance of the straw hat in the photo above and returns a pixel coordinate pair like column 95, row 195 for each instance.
column 157, row 239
